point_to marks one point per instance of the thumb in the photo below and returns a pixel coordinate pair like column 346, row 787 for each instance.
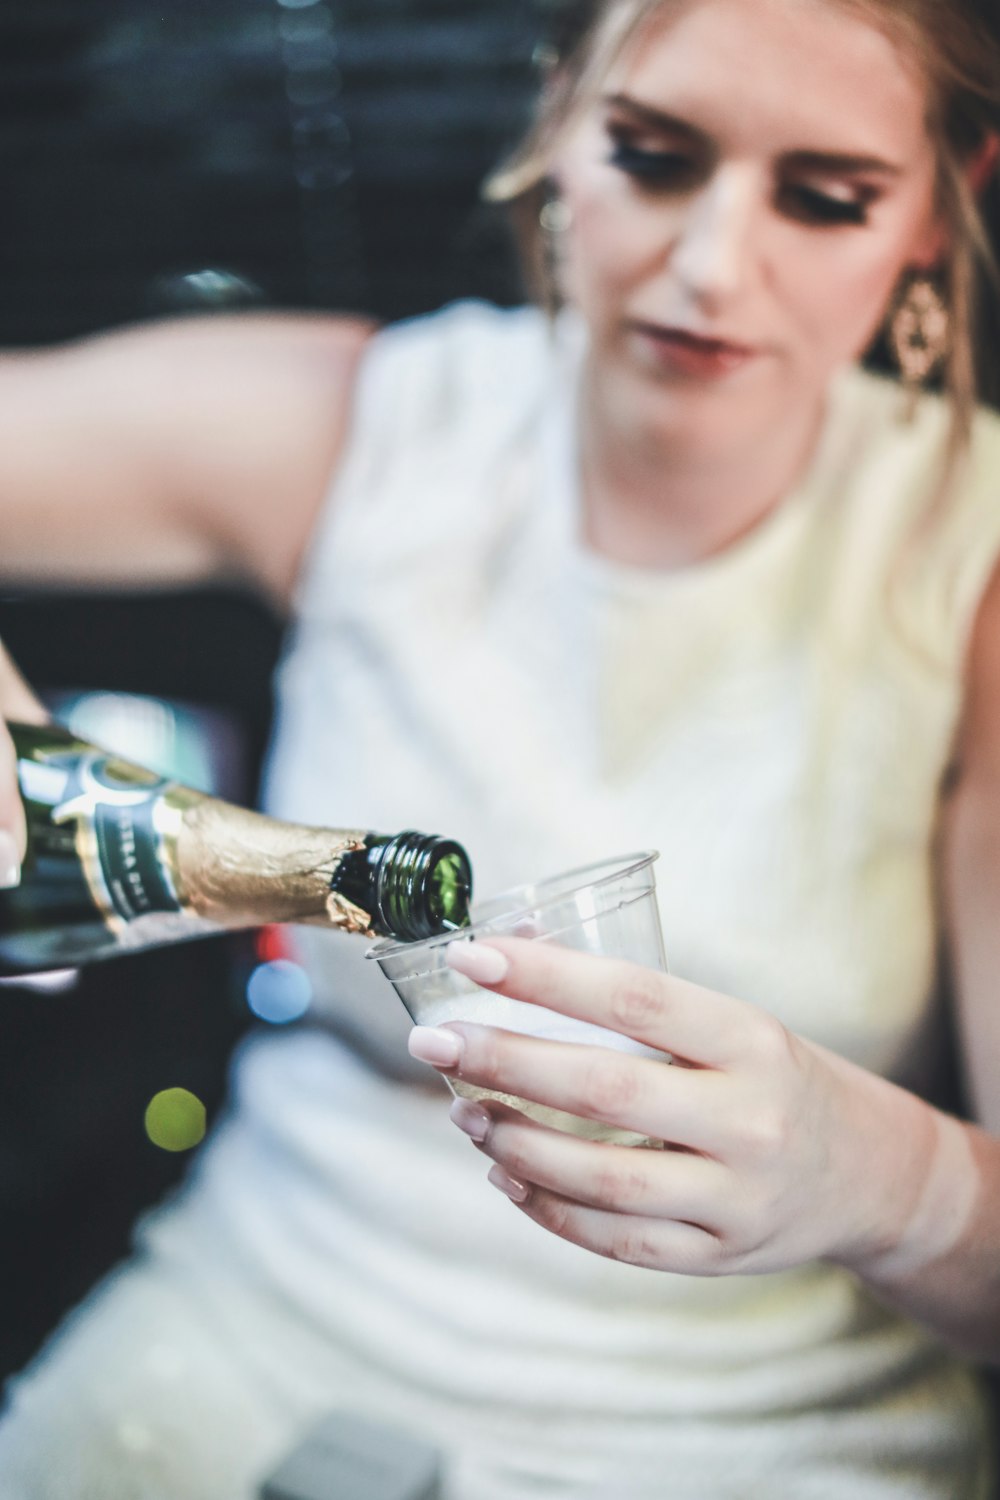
column 13, row 833
column 17, row 701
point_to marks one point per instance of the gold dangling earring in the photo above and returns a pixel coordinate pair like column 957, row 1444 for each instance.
column 555, row 216
column 919, row 336
column 555, row 219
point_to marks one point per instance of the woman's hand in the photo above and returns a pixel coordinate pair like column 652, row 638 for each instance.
column 16, row 702
column 778, row 1152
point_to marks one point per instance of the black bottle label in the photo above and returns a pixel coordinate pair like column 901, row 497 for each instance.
column 118, row 802
column 127, row 843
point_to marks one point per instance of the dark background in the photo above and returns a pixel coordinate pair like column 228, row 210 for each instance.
column 160, row 159
column 329, row 152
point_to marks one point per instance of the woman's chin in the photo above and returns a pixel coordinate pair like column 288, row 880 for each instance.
column 716, row 413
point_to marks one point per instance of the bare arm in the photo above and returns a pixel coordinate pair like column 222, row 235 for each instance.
column 972, row 869
column 173, row 452
column 165, row 454
column 966, row 1283
column 944, row 1268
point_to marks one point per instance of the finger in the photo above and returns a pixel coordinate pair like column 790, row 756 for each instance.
column 17, row 701
column 701, row 1026
column 658, row 1244
column 13, row 832
column 619, row 1179
column 684, row 1106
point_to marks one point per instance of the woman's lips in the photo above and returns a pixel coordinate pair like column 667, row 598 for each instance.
column 687, row 353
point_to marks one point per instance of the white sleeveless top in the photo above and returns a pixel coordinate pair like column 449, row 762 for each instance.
column 777, row 721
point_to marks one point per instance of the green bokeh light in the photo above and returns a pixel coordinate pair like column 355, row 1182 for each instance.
column 175, row 1120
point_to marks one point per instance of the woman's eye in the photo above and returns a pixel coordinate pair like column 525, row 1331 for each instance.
column 815, row 207
column 658, row 168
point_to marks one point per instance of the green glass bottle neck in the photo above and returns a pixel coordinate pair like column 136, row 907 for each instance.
column 416, row 885
column 232, row 866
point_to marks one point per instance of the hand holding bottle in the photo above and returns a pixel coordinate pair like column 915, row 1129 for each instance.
column 16, row 702
column 778, row 1152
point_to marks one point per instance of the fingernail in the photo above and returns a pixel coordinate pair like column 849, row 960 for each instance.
column 10, row 865
column 429, row 1044
column 470, row 1118
column 516, row 1191
column 482, row 964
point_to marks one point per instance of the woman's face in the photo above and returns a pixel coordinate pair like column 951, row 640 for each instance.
column 745, row 195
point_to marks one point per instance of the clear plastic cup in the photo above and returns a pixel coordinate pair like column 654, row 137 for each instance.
column 607, row 908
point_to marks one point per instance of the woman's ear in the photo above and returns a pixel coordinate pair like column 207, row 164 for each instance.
column 982, row 164
column 979, row 170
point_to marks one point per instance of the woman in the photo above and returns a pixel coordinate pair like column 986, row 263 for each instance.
column 677, row 574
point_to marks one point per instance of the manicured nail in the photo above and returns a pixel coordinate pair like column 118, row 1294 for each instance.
column 516, row 1191
column 477, row 962
column 471, row 1118
column 10, row 865
column 430, row 1044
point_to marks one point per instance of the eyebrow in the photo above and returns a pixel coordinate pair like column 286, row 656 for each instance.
column 820, row 161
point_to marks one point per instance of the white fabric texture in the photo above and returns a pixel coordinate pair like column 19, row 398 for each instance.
column 777, row 721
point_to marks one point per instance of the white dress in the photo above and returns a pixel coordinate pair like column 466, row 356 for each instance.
column 777, row 721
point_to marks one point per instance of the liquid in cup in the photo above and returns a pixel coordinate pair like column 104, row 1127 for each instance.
column 608, row 908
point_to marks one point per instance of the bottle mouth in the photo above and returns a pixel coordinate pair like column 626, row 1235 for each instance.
column 423, row 886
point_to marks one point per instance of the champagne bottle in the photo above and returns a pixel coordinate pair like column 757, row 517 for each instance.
column 120, row 859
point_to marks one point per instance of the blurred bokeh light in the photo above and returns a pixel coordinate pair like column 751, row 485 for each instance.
column 279, row 992
column 175, row 1120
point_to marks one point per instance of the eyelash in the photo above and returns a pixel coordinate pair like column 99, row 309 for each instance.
column 670, row 170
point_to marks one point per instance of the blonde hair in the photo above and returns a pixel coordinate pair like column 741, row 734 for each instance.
column 958, row 51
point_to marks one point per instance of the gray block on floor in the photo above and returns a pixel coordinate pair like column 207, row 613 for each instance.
column 352, row 1458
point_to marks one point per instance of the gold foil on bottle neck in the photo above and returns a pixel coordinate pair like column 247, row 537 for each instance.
column 347, row 917
column 239, row 868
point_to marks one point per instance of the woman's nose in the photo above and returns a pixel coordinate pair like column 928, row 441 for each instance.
column 712, row 254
